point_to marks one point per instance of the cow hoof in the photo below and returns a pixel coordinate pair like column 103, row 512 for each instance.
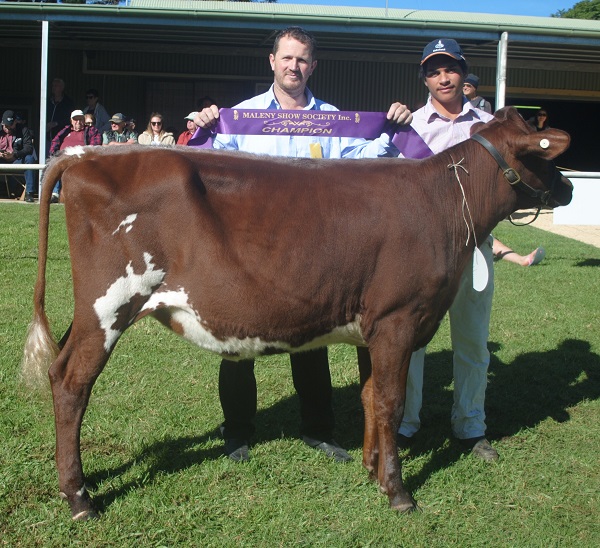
column 81, row 505
column 86, row 515
column 404, row 505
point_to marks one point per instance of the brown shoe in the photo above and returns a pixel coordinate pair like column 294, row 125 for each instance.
column 483, row 450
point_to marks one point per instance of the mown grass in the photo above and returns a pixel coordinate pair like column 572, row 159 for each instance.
column 152, row 453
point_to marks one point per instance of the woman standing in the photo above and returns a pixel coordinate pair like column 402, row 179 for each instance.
column 155, row 134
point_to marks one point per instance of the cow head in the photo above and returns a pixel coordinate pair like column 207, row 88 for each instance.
column 526, row 157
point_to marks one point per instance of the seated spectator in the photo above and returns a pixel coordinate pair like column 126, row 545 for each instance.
column 75, row 134
column 119, row 133
column 131, row 124
column 502, row 251
column 94, row 107
column 189, row 132
column 16, row 147
column 90, row 120
column 155, row 133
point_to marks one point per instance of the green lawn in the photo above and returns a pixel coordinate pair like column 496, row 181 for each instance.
column 153, row 457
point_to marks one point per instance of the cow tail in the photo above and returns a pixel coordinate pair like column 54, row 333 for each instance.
column 41, row 348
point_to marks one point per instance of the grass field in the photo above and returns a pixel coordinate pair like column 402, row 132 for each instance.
column 152, row 454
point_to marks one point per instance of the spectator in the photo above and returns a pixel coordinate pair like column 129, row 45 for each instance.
column 119, row 133
column 191, row 129
column 16, row 147
column 58, row 109
column 540, row 120
column 502, row 251
column 131, row 124
column 95, row 108
column 470, row 90
column 90, row 120
column 155, row 133
column 74, row 134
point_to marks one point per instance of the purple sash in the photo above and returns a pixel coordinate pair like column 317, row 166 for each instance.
column 321, row 123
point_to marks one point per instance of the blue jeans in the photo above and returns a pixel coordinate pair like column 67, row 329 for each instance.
column 29, row 174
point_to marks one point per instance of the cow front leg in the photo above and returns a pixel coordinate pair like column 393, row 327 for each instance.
column 370, row 442
column 71, row 379
column 388, row 378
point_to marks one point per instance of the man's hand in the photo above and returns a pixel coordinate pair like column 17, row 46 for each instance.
column 207, row 117
column 8, row 156
column 399, row 114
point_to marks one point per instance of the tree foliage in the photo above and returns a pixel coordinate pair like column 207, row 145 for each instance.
column 586, row 9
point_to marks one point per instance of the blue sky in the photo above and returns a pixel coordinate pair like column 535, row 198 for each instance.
column 541, row 8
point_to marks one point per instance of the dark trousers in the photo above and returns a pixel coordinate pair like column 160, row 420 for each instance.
column 312, row 381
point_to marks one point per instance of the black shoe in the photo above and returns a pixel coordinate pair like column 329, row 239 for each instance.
column 236, row 449
column 54, row 199
column 481, row 448
column 403, row 442
column 29, row 197
column 331, row 448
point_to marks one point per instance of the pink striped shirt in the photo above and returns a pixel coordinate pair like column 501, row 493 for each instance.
column 440, row 132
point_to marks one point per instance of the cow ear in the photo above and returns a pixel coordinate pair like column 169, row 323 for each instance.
column 476, row 127
column 547, row 144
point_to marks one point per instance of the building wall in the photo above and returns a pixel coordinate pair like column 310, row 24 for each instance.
column 137, row 83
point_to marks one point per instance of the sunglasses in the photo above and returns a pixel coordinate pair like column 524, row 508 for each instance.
column 90, row 96
column 156, row 123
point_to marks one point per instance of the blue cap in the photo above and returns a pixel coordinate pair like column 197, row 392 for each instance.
column 443, row 46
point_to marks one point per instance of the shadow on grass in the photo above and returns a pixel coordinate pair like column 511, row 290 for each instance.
column 534, row 387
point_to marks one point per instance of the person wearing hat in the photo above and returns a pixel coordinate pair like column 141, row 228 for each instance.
column 444, row 121
column 119, row 133
column 470, row 90
column 189, row 132
column 16, row 147
column 75, row 134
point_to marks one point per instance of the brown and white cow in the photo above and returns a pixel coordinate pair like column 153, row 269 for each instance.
column 248, row 255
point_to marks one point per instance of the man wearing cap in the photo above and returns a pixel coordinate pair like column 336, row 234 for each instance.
column 444, row 121
column 16, row 147
column 75, row 134
column 470, row 90
column 119, row 134
column 292, row 62
column 189, row 132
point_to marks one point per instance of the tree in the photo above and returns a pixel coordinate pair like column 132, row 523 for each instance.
column 586, row 9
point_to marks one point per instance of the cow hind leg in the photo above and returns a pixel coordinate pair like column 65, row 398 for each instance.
column 370, row 442
column 72, row 376
column 388, row 379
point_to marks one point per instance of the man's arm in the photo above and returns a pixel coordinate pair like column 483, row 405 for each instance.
column 382, row 146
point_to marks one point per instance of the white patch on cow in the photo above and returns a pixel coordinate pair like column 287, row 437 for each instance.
column 120, row 292
column 194, row 329
column 127, row 223
column 78, row 151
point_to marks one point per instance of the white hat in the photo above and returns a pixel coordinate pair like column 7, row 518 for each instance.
column 76, row 113
column 191, row 116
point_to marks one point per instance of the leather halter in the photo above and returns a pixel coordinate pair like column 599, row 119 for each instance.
column 513, row 178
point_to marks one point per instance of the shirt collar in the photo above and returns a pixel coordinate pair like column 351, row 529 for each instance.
column 271, row 100
column 468, row 111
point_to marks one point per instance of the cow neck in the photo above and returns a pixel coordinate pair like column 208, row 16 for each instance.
column 475, row 183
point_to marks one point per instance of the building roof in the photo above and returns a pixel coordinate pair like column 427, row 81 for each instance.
column 342, row 32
